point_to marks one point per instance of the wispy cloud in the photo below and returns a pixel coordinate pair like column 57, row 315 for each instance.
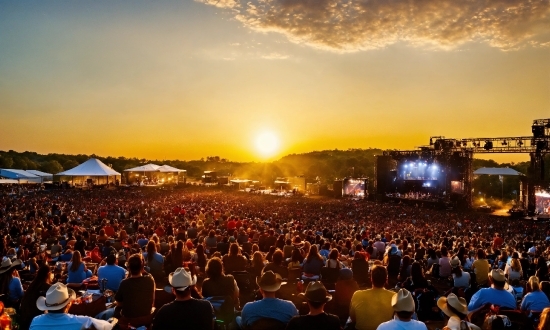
column 275, row 56
column 351, row 25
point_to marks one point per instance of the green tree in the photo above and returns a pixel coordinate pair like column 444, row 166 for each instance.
column 51, row 166
column 6, row 162
column 67, row 165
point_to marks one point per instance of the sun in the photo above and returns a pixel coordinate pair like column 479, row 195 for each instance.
column 267, row 143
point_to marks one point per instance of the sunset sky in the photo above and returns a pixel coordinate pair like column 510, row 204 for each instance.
column 189, row 79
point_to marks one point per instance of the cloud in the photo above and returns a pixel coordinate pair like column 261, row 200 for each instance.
column 351, row 25
column 275, row 56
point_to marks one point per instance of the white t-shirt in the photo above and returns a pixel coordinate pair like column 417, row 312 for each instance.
column 512, row 274
column 396, row 324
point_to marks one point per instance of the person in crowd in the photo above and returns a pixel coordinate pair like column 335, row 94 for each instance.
column 461, row 279
column 154, row 261
column 332, row 260
column 10, row 281
column 456, row 309
column 481, row 268
column 185, row 311
column 417, row 280
column 277, row 264
column 313, row 263
column 513, row 270
column 544, row 321
column 257, row 264
column 270, row 306
column 295, row 260
column 360, row 268
column 77, row 271
column 200, row 258
column 56, row 302
column 219, row 284
column 405, row 270
column 316, row 296
column 496, row 294
column 234, row 261
column 369, row 308
column 344, row 289
column 403, row 304
column 112, row 273
column 37, row 288
column 135, row 295
column 444, row 263
column 535, row 300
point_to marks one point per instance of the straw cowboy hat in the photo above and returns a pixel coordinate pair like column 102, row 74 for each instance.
column 7, row 264
column 402, row 301
column 455, row 262
column 498, row 275
column 316, row 292
column 270, row 281
column 181, row 279
column 57, row 297
column 458, row 304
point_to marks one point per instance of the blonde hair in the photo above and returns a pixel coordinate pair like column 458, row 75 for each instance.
column 534, row 283
column 515, row 265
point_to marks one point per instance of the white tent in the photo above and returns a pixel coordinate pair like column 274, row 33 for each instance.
column 43, row 175
column 5, row 181
column 144, row 168
column 91, row 171
column 170, row 169
column 497, row 171
column 21, row 176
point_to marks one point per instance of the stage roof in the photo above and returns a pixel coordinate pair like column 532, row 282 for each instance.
column 144, row 168
column 497, row 171
column 91, row 167
column 170, row 169
column 40, row 173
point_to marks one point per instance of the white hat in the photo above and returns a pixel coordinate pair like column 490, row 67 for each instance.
column 57, row 297
column 402, row 301
column 455, row 262
column 498, row 275
column 181, row 279
column 7, row 264
column 458, row 304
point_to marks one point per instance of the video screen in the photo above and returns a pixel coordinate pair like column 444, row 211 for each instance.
column 542, row 199
column 355, row 187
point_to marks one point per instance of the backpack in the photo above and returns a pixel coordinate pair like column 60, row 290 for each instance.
column 426, row 305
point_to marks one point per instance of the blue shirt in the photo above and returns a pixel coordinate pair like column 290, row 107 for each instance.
column 282, row 310
column 114, row 275
column 77, row 276
column 500, row 298
column 16, row 289
column 535, row 301
column 67, row 322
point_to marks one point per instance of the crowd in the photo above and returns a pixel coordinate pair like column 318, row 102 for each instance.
column 199, row 258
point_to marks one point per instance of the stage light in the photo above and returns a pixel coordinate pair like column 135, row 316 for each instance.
column 488, row 145
column 504, row 143
column 406, row 165
column 520, row 143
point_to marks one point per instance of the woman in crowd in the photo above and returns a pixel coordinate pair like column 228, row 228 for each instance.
column 461, row 279
column 416, row 280
column 10, row 281
column 313, row 263
column 295, row 260
column 218, row 284
column 405, row 270
column 257, row 264
column 234, row 261
column 154, row 260
column 37, row 288
column 77, row 271
column 277, row 265
column 200, row 258
column 332, row 261
column 535, row 300
column 513, row 270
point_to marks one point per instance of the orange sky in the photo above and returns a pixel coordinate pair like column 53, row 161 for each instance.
column 190, row 79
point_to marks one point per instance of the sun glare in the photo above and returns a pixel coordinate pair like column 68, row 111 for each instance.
column 267, row 143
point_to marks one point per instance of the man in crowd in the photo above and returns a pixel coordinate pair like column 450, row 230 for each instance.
column 403, row 304
column 371, row 307
column 113, row 273
column 185, row 311
column 57, row 302
column 496, row 294
column 269, row 306
column 317, row 296
column 136, row 294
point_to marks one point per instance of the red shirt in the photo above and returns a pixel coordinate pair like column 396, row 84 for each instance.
column 109, row 231
column 232, row 224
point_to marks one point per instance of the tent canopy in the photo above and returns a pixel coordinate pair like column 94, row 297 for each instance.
column 144, row 168
column 170, row 169
column 3, row 181
column 91, row 167
column 17, row 174
column 41, row 174
column 497, row 171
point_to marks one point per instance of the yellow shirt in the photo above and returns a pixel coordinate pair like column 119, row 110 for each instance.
column 371, row 308
column 481, row 268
